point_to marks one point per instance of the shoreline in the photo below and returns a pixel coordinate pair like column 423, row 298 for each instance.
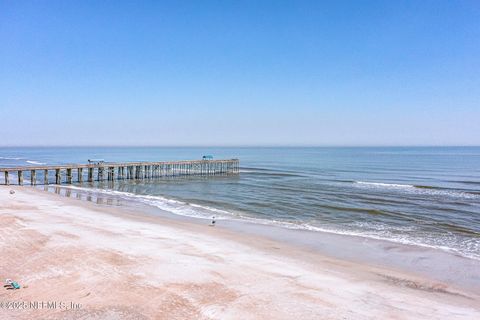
column 110, row 258
column 422, row 261
column 125, row 197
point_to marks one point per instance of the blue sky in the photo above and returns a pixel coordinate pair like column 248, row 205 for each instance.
column 240, row 73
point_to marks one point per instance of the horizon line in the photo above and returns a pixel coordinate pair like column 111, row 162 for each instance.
column 245, row 146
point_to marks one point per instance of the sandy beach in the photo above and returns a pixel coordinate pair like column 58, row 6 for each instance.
column 106, row 262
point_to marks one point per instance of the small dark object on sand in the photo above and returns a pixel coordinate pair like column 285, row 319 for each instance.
column 11, row 285
column 212, row 224
column 12, row 191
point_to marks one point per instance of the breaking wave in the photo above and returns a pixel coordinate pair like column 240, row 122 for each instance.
column 418, row 189
column 35, row 162
column 386, row 185
column 10, row 158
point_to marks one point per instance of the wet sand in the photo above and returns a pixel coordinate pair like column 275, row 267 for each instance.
column 114, row 263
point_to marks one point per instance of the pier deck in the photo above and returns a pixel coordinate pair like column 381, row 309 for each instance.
column 110, row 171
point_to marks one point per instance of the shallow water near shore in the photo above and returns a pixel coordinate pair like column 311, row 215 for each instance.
column 428, row 197
column 429, row 264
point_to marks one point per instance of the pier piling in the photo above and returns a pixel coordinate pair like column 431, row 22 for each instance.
column 90, row 174
column 20, row 177
column 80, row 175
column 33, row 177
column 58, row 177
column 69, row 175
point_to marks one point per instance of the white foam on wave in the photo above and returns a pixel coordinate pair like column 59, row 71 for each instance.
column 386, row 185
column 10, row 158
column 163, row 203
column 35, row 162
column 470, row 247
column 416, row 190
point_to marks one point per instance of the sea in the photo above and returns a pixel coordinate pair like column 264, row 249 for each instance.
column 421, row 196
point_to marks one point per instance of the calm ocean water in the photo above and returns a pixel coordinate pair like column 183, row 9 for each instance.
column 426, row 196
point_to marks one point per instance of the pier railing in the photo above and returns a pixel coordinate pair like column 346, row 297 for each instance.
column 110, row 171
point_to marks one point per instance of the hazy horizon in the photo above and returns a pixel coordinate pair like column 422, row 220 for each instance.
column 251, row 73
column 239, row 146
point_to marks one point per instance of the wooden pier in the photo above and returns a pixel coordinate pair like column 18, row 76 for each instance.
column 109, row 171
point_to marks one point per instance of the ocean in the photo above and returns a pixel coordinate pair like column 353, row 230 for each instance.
column 424, row 196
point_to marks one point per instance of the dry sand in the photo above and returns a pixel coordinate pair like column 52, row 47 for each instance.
column 117, row 264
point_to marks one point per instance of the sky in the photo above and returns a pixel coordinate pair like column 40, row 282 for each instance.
column 188, row 73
